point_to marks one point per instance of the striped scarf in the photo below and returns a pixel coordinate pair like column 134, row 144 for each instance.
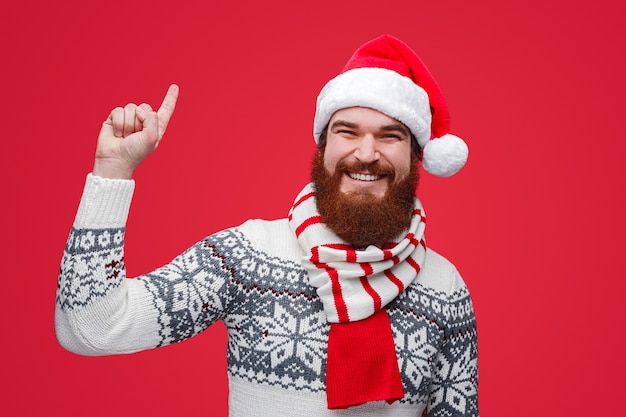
column 354, row 287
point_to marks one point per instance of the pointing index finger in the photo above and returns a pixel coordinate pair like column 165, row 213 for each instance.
column 167, row 108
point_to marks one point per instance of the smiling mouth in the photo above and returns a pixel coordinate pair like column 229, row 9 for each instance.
column 364, row 177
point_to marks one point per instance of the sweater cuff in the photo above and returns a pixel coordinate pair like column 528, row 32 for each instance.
column 105, row 203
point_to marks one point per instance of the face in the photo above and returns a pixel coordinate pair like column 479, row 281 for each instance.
column 370, row 149
column 365, row 178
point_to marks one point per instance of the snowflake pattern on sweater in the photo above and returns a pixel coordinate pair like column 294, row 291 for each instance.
column 277, row 330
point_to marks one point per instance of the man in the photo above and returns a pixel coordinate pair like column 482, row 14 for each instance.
column 340, row 309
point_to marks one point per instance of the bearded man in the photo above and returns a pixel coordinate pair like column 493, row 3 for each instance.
column 339, row 309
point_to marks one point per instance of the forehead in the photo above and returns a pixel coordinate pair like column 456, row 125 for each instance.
column 367, row 118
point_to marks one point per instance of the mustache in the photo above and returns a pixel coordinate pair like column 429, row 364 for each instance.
column 374, row 168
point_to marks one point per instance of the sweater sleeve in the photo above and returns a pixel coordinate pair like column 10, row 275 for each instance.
column 99, row 311
column 454, row 391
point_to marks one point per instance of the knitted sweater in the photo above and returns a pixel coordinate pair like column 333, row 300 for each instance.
column 251, row 278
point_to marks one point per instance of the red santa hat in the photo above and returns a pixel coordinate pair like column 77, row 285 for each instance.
column 388, row 76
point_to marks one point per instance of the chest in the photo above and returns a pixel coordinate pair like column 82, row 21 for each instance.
column 278, row 333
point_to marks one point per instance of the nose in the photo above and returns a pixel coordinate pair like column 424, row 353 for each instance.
column 366, row 150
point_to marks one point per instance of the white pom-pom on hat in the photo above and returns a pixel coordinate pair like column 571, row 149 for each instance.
column 386, row 75
column 445, row 156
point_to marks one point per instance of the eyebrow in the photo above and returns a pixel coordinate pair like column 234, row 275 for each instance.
column 343, row 123
column 394, row 127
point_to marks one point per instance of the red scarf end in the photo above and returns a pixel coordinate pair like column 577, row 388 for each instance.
column 362, row 365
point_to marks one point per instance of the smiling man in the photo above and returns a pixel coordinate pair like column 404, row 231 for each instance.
column 339, row 309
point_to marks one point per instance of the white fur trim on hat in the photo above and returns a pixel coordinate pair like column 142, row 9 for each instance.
column 380, row 89
column 445, row 156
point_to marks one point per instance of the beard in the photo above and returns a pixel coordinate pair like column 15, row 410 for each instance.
column 361, row 218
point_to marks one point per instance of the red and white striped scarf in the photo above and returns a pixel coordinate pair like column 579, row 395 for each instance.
column 354, row 287
column 355, row 284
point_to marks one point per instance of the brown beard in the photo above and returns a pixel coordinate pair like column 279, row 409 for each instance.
column 361, row 218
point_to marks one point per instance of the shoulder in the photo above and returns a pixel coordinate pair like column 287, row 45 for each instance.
column 271, row 237
column 440, row 292
column 440, row 275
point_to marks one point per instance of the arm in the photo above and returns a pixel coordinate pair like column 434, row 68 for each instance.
column 454, row 391
column 99, row 311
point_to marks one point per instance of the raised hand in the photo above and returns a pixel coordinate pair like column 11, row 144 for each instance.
column 130, row 134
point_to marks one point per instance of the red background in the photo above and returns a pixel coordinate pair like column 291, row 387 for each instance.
column 535, row 221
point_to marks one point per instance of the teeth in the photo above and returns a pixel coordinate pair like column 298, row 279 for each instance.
column 364, row 177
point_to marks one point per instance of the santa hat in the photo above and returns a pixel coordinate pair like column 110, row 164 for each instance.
column 388, row 76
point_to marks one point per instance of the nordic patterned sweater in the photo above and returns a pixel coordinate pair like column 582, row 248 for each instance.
column 251, row 278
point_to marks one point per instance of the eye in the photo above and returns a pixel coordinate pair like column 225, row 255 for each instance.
column 346, row 132
column 391, row 137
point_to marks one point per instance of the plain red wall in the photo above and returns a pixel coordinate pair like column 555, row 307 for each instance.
column 535, row 221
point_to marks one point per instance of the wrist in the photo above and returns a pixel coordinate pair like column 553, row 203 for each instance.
column 112, row 169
